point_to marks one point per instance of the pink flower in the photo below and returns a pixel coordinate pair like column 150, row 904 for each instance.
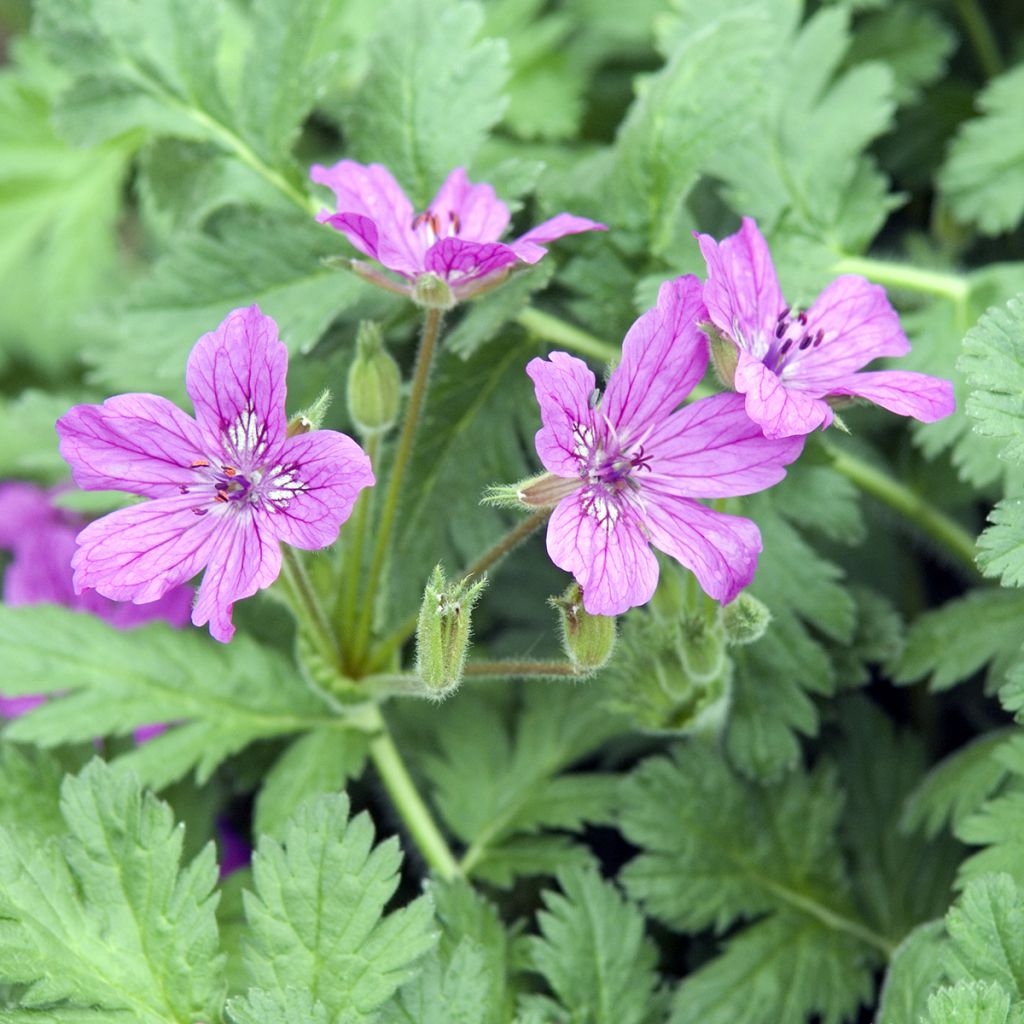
column 629, row 467
column 787, row 363
column 226, row 487
column 456, row 237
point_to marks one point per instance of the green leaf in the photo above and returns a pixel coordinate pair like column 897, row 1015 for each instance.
column 973, row 1003
column 987, row 928
column 452, row 992
column 108, row 920
column 915, row 969
column 286, row 1006
column 998, row 826
column 432, row 93
column 593, row 952
column 114, row 681
column 1001, row 545
column 30, row 442
column 30, row 791
column 317, row 921
column 983, row 177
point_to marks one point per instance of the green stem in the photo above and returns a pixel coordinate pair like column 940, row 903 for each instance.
column 512, row 669
column 551, row 328
column 410, row 804
column 982, row 38
column 306, row 605
column 420, row 381
column 937, row 525
column 954, row 287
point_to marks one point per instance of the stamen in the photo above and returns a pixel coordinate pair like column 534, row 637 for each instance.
column 780, row 328
column 456, row 222
column 786, row 346
column 221, row 496
column 784, row 315
column 196, row 510
column 803, row 319
column 182, row 489
column 420, row 219
column 199, row 463
column 819, row 337
column 229, row 470
column 805, row 342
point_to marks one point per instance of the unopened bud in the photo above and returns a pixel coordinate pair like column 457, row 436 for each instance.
column 702, row 649
column 442, row 631
column 745, row 620
column 311, row 417
column 724, row 355
column 432, row 292
column 374, row 382
column 546, row 490
column 588, row 639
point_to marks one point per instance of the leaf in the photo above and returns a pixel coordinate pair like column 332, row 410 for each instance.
column 114, row 681
column 915, row 970
column 432, row 93
column 1001, row 544
column 287, row 1006
column 593, row 952
column 109, row 921
column 999, row 827
column 983, row 177
column 30, row 791
column 987, row 928
column 444, row 993
column 316, row 919
column 30, row 442
column 973, row 1003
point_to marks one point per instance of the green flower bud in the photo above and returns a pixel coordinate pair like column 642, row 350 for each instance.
column 442, row 632
column 374, row 382
column 311, row 417
column 588, row 639
column 724, row 355
column 745, row 620
column 432, row 292
column 702, row 649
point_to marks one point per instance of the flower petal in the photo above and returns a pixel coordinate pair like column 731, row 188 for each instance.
column 138, row 443
column 371, row 192
column 563, row 385
column 664, row 356
column 242, row 559
column 41, row 568
column 779, row 410
column 719, row 549
column 742, row 290
column 236, row 380
column 332, row 469
column 472, row 212
column 712, row 449
column 530, row 247
column 22, row 507
column 601, row 543
column 459, row 261
column 901, row 391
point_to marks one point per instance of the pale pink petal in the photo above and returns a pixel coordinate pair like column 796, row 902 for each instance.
column 719, row 549
column 22, row 507
column 664, row 356
column 242, row 560
column 779, row 410
column 15, row 707
column 742, row 290
column 359, row 230
column 139, row 553
column 372, row 192
column 236, row 380
column 859, row 325
column 472, row 212
column 331, row 469
column 530, row 247
column 459, row 261
column 40, row 571
column 901, row 391
column 142, row 444
column 564, row 386
column 712, row 449
column 600, row 542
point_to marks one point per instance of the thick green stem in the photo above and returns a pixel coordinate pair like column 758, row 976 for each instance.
column 420, row 382
column 982, row 38
column 520, row 669
column 954, row 287
column 945, row 531
column 355, row 546
column 410, row 805
column 306, row 605
column 550, row 328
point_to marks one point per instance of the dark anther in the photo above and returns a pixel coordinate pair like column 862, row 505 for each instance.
column 805, row 342
column 182, row 488
column 786, row 346
column 196, row 510
column 221, row 496
column 456, row 223
column 803, row 319
column 784, row 314
column 819, row 337
column 420, row 218
column 780, row 329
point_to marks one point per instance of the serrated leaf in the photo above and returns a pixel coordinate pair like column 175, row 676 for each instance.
column 999, row 827
column 452, row 992
column 1001, row 544
column 987, row 928
column 286, row 1006
column 973, row 1003
column 915, row 969
column 30, row 791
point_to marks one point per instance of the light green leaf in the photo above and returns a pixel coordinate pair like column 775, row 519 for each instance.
column 973, row 1003
column 1001, row 544
column 452, row 992
column 30, row 791
column 30, row 442
column 987, row 928
column 285, row 1006
column 999, row 827
column 915, row 969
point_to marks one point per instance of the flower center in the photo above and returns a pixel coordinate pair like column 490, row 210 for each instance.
column 608, row 465
column 791, row 337
column 431, row 226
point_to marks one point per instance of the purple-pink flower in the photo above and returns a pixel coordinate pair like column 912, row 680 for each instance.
column 456, row 237
column 226, row 488
column 631, row 466
column 788, row 363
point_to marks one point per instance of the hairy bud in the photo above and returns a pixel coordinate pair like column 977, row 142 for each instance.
column 745, row 620
column 702, row 649
column 442, row 631
column 724, row 355
column 588, row 639
column 432, row 292
column 311, row 417
column 374, row 382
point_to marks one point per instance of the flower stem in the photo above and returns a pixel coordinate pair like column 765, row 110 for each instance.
column 512, row 669
column 306, row 604
column 954, row 287
column 982, row 38
column 420, row 381
column 410, row 804
column 551, row 328
column 935, row 524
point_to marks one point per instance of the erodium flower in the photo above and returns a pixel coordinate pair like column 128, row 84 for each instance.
column 628, row 469
column 454, row 238
column 226, row 488
column 788, row 362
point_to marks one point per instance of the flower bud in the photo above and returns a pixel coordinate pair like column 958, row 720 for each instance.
column 311, row 417
column 724, row 355
column 432, row 292
column 442, row 632
column 588, row 639
column 745, row 620
column 374, row 382
column 702, row 649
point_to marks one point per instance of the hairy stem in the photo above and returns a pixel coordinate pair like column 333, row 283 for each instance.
column 514, row 669
column 306, row 604
column 409, row 803
column 980, row 33
column 420, row 382
column 551, row 328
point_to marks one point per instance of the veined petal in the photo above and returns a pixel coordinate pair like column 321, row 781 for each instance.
column 901, row 391
column 236, row 380
column 712, row 449
column 473, row 212
column 600, row 541
column 139, row 553
column 530, row 247
column 664, row 356
column 332, row 469
column 563, row 385
column 138, row 443
column 372, row 192
column 458, row 261
column 719, row 549
column 41, row 568
column 742, row 290
column 242, row 559
column 859, row 325
column 779, row 410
